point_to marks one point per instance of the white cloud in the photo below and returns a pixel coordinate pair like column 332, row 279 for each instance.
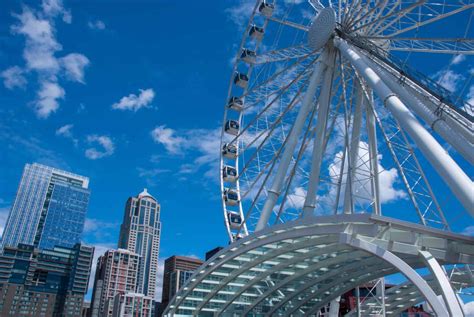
column 67, row 17
column 65, row 131
column 387, row 180
column 48, row 96
column 41, row 42
column 166, row 136
column 14, row 77
column 458, row 59
column 205, row 143
column 297, row 198
column 53, row 8
column 41, row 45
column 96, row 25
column 362, row 188
column 240, row 12
column 134, row 102
column 91, row 225
column 99, row 229
column 448, row 79
column 105, row 142
column 74, row 65
column 150, row 175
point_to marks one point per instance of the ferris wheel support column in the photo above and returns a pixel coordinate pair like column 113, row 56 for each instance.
column 447, row 168
column 354, row 151
column 461, row 144
column 292, row 141
column 321, row 122
column 373, row 153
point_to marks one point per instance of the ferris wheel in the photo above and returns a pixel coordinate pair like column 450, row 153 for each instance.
column 324, row 115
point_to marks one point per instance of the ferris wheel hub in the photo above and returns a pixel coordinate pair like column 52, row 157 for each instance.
column 322, row 28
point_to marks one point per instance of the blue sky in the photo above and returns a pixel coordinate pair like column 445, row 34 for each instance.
column 131, row 95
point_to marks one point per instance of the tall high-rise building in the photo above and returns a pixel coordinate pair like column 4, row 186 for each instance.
column 116, row 274
column 178, row 269
column 49, row 208
column 37, row 282
column 140, row 233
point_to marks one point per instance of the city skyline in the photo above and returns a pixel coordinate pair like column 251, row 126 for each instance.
column 130, row 104
column 63, row 138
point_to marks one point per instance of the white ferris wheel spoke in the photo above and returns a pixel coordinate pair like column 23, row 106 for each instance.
column 349, row 15
column 435, row 11
column 288, row 53
column 290, row 24
column 277, row 82
column 269, row 133
column 281, row 91
column 395, row 11
column 439, row 46
column 369, row 15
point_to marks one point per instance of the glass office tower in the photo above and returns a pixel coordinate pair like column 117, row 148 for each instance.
column 140, row 233
column 49, row 208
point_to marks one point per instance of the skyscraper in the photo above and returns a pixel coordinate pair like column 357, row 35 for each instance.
column 178, row 269
column 49, row 208
column 116, row 274
column 140, row 233
column 37, row 282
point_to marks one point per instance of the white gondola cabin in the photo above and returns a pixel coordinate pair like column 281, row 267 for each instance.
column 235, row 103
column 235, row 220
column 266, row 8
column 248, row 56
column 241, row 80
column 231, row 197
column 229, row 150
column 232, row 127
column 229, row 174
column 256, row 32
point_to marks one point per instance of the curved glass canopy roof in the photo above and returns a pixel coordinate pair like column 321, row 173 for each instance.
column 299, row 267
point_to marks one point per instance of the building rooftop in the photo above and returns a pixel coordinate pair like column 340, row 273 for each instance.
column 145, row 193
